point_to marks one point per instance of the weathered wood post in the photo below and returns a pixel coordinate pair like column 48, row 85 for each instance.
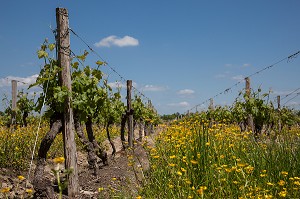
column 248, row 95
column 63, row 37
column 211, row 104
column 279, row 110
column 130, row 114
column 14, row 102
column 151, row 128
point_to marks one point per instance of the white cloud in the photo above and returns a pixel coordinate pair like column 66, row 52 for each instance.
column 246, row 65
column 118, row 84
column 228, row 65
column 22, row 81
column 238, row 78
column 179, row 104
column 117, row 41
column 153, row 88
column 186, row 92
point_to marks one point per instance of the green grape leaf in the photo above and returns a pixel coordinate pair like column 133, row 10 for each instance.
column 42, row 53
column 51, row 47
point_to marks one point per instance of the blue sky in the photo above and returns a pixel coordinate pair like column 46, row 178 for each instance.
column 178, row 53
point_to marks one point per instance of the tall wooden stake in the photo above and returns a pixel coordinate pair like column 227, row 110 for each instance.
column 130, row 114
column 63, row 36
column 211, row 104
column 248, row 94
column 279, row 110
column 14, row 101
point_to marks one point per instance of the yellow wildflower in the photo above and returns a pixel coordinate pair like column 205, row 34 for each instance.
column 284, row 173
column 201, row 190
column 100, row 189
column 59, row 160
column 172, row 165
column 172, row 156
column 282, row 194
column 281, row 182
column 5, row 190
column 179, row 173
column 297, row 183
column 183, row 169
column 29, row 191
column 21, row 178
column 194, row 162
column 241, row 164
column 138, row 197
column 263, row 175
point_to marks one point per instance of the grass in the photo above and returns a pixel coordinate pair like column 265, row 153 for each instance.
column 191, row 160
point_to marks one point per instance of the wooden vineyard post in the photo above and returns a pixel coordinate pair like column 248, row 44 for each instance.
column 130, row 114
column 279, row 110
column 211, row 104
column 248, row 94
column 14, row 102
column 151, row 130
column 63, row 37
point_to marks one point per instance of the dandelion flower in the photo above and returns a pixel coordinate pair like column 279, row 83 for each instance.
column 201, row 190
column 282, row 194
column 281, row 182
column 194, row 162
column 59, row 160
column 297, row 183
column 29, row 191
column 284, row 173
column 21, row 178
column 263, row 175
column 5, row 190
column 270, row 184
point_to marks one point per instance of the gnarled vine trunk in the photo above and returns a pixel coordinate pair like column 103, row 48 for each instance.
column 42, row 186
column 88, row 146
column 100, row 153
column 123, row 125
column 109, row 139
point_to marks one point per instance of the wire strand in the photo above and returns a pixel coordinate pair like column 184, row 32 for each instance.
column 39, row 125
column 288, row 58
column 106, row 63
